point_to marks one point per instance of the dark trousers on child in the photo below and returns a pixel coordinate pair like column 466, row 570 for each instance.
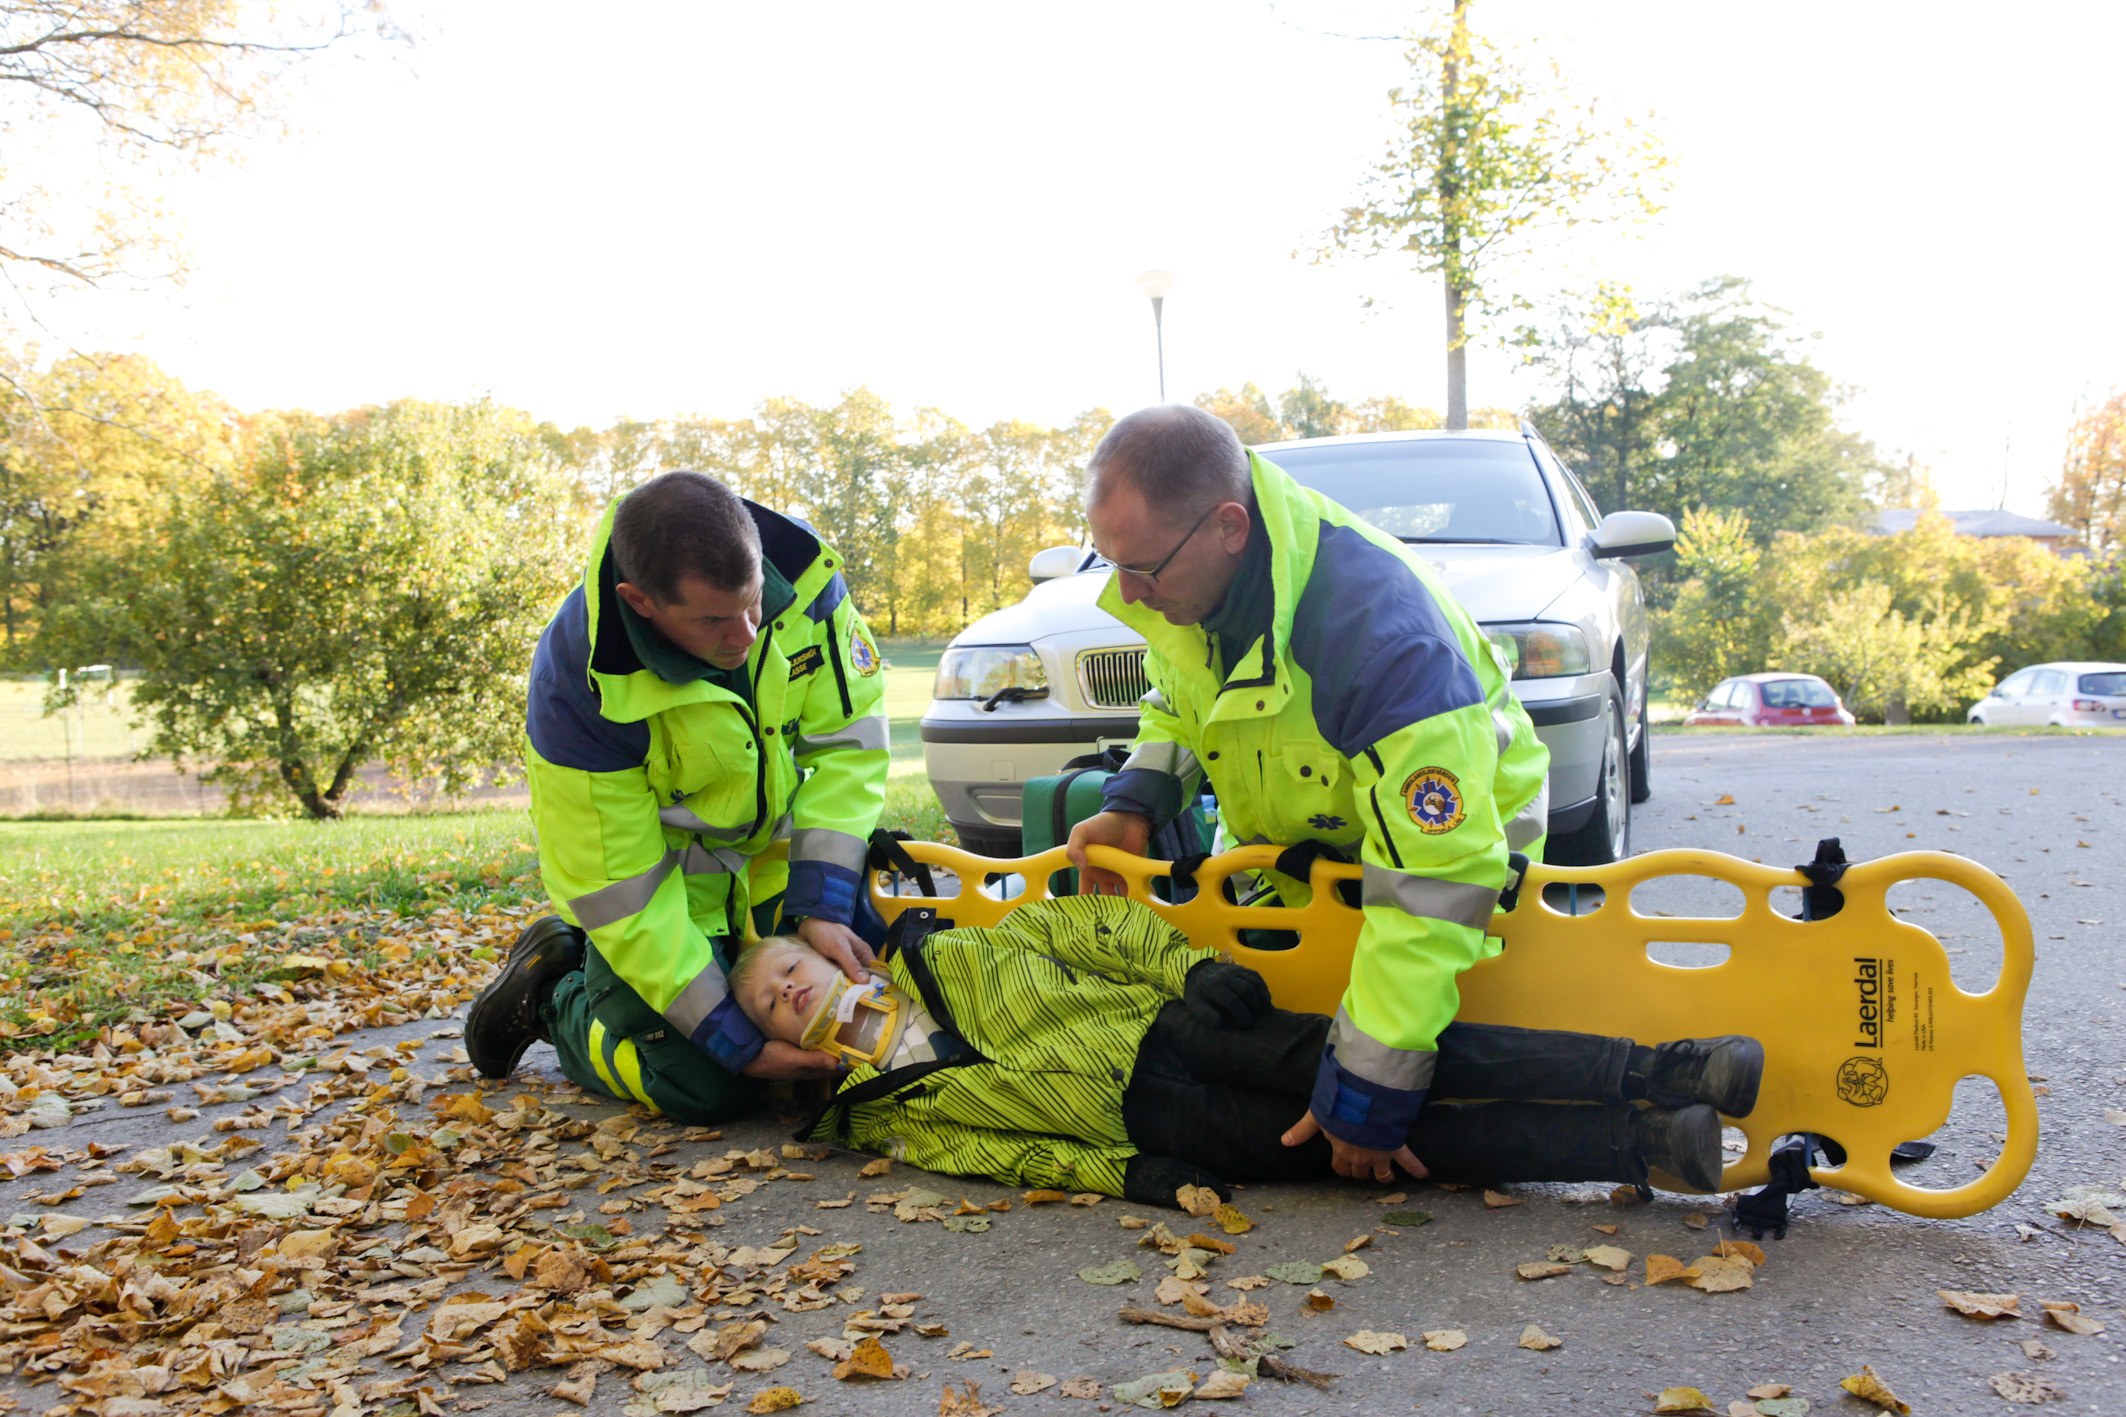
column 1505, row 1103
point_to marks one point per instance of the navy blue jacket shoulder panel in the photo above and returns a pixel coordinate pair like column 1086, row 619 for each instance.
column 792, row 545
column 561, row 712
column 1381, row 652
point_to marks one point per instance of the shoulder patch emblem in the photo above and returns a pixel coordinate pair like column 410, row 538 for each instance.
column 1434, row 797
column 863, row 654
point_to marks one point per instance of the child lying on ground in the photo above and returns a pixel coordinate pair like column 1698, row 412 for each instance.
column 1083, row 1044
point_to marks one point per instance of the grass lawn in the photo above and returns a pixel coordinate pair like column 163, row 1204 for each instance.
column 99, row 726
column 99, row 916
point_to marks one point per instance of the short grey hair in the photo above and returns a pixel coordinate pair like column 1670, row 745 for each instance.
column 1183, row 460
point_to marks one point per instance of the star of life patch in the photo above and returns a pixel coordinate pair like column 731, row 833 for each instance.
column 863, row 654
column 1434, row 797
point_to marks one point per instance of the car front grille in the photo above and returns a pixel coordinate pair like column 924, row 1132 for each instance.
column 1113, row 678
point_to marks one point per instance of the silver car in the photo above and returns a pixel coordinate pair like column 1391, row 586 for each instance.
column 1512, row 532
column 2068, row 693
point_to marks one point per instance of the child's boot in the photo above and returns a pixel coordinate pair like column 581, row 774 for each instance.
column 1685, row 1143
column 1723, row 1072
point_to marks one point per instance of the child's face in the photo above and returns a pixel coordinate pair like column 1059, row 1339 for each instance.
column 786, row 991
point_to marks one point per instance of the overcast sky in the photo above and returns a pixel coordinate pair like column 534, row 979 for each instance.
column 660, row 208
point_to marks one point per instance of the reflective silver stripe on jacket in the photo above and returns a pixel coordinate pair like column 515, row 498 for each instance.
column 784, row 827
column 1454, row 902
column 695, row 1002
column 1404, row 1068
column 702, row 860
column 621, row 899
column 1503, row 726
column 1531, row 822
column 833, row 847
column 681, row 817
column 865, row 733
column 1169, row 758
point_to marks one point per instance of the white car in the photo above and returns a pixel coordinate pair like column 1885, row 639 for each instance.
column 1514, row 534
column 2069, row 693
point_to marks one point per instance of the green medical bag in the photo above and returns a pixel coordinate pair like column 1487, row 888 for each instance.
column 1051, row 806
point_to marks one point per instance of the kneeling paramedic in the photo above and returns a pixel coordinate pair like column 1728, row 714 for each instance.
column 1334, row 692
column 1083, row 1044
column 707, row 690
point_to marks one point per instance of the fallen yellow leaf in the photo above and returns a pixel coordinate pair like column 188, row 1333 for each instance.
column 1445, row 1340
column 1981, row 1306
column 1717, row 1275
column 1682, row 1399
column 869, row 1359
column 1198, row 1201
column 1662, row 1268
column 1533, row 1337
column 1870, row 1388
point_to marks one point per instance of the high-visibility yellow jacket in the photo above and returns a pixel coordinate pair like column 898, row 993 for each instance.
column 651, row 799
column 1375, row 715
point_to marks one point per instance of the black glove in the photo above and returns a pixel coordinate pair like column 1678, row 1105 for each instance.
column 1221, row 994
column 1153, row 1180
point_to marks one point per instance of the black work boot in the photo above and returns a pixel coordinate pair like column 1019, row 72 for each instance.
column 1684, row 1143
column 1723, row 1072
column 504, row 1020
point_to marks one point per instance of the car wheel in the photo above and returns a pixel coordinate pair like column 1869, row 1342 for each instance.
column 1606, row 837
column 997, row 843
column 1642, row 761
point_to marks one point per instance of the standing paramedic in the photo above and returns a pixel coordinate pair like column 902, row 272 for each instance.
column 1333, row 691
column 707, row 691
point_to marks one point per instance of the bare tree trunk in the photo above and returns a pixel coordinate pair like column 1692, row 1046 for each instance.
column 1450, row 181
column 1457, row 361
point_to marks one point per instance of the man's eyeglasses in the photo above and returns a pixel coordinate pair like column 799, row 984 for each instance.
column 1151, row 577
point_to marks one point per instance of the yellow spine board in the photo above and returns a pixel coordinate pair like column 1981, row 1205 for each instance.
column 1804, row 989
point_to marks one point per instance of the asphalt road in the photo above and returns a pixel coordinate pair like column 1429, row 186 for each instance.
column 1848, row 1286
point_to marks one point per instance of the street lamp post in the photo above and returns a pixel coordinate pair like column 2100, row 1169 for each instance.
column 1157, row 284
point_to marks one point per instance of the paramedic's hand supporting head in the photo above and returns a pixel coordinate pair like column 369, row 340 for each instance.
column 778, row 1061
column 1355, row 1161
column 840, row 944
column 1125, row 831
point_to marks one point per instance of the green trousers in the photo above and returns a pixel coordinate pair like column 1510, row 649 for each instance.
column 645, row 1060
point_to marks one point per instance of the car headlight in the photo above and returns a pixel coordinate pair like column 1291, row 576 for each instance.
column 1541, row 651
column 980, row 671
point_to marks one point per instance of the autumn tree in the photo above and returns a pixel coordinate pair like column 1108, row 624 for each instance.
column 1715, row 628
column 142, row 87
column 367, row 588
column 1490, row 158
column 90, row 446
column 2091, row 493
column 1700, row 400
column 1907, row 626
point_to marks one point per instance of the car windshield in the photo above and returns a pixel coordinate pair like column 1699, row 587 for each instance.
column 1798, row 693
column 1447, row 489
column 2104, row 683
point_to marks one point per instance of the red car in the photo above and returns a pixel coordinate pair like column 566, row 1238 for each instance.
column 1770, row 701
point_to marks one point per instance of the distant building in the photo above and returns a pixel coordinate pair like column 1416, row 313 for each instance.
column 1984, row 522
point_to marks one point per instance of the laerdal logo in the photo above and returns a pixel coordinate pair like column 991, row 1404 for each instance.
column 1867, row 978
